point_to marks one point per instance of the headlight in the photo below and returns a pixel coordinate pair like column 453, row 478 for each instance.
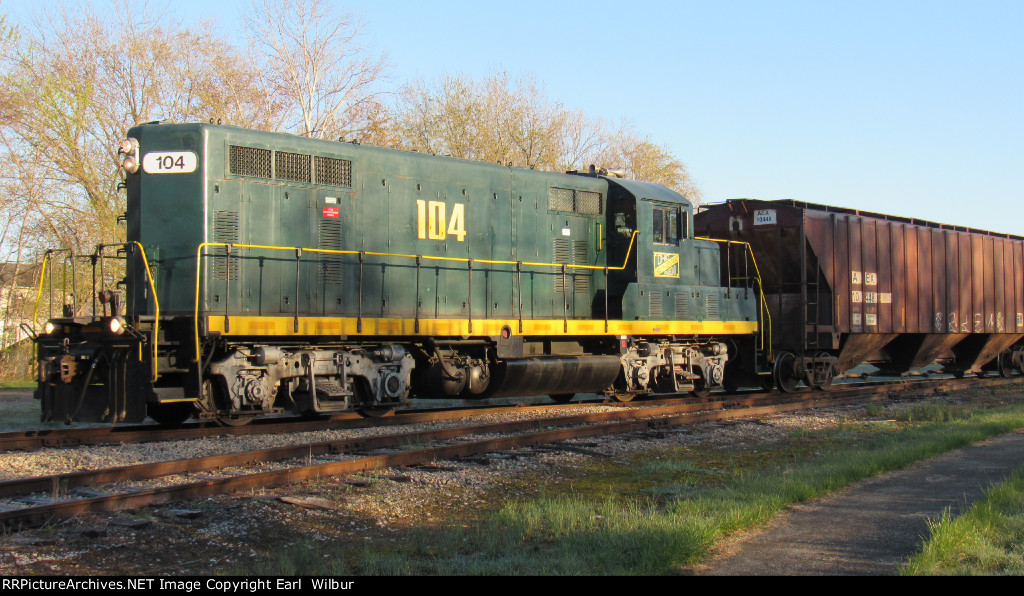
column 128, row 155
column 49, row 328
column 117, row 325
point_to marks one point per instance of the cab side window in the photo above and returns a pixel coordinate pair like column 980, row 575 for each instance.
column 667, row 225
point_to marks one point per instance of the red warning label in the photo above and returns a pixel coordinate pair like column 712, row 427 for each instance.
column 332, row 212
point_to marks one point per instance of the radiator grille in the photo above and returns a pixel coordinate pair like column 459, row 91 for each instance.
column 576, row 201
column 292, row 166
column 560, row 199
column 588, row 202
column 333, row 171
column 249, row 161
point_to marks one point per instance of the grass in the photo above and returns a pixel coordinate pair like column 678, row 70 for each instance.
column 986, row 540
column 18, row 410
column 663, row 510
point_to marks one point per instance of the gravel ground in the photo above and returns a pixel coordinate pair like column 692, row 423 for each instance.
column 216, row 535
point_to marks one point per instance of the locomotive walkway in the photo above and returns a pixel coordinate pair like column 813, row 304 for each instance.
column 872, row 527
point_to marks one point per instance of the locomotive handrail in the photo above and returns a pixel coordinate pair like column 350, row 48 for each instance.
column 149, row 278
column 199, row 264
column 762, row 303
column 39, row 292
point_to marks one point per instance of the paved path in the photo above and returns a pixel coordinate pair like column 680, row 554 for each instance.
column 872, row 527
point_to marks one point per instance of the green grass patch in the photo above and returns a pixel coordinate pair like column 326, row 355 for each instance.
column 19, row 410
column 986, row 540
column 661, row 511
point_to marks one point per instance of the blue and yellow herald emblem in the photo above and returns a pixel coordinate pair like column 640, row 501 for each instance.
column 666, row 264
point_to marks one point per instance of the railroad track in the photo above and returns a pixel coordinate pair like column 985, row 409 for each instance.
column 32, row 502
column 29, row 440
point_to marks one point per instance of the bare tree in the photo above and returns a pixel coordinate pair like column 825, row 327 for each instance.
column 313, row 57
column 642, row 159
column 511, row 121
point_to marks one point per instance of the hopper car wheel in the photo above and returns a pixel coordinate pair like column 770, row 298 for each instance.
column 826, row 382
column 375, row 412
column 624, row 396
column 1005, row 364
column 784, row 374
column 563, row 398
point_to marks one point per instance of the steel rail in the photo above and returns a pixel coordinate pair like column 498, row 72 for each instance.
column 622, row 422
column 113, row 435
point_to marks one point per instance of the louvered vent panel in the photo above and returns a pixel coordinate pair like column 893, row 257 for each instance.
column 581, row 277
column 581, row 283
column 588, row 202
column 682, row 307
column 562, row 253
column 249, row 161
column 330, row 239
column 292, row 166
column 225, row 229
column 579, row 252
column 654, row 299
column 333, row 171
column 712, row 306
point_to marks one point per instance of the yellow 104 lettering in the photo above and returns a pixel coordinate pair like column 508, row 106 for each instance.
column 432, row 217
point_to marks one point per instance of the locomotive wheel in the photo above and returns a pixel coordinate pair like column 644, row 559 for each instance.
column 226, row 420
column 363, row 395
column 563, row 398
column 700, row 388
column 213, row 395
column 784, row 374
column 170, row 415
column 767, row 382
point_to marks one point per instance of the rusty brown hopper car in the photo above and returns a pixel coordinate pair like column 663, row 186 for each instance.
column 845, row 287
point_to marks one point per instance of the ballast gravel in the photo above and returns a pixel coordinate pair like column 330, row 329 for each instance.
column 223, row 534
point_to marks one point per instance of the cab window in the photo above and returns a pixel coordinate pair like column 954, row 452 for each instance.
column 667, row 228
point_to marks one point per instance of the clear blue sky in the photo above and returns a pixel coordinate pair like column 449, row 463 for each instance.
column 912, row 108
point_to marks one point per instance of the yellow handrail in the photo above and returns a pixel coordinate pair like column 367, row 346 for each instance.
column 156, row 309
column 152, row 287
column 199, row 257
column 762, row 303
column 39, row 292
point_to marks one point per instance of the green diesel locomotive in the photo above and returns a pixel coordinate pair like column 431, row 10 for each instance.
column 268, row 272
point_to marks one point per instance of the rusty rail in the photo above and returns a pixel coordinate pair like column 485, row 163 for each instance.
column 578, row 426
